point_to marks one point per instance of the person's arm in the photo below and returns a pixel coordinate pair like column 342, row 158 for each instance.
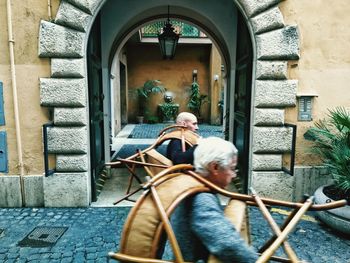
column 176, row 155
column 216, row 232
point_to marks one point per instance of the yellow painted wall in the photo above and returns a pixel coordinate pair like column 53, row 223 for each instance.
column 324, row 66
column 26, row 16
column 216, row 85
column 176, row 74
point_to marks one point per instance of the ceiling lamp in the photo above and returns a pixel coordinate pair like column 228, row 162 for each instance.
column 168, row 40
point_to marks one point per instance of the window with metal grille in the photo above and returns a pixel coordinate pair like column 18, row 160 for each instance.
column 186, row 30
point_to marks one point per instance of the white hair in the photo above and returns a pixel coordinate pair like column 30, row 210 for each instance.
column 185, row 116
column 213, row 149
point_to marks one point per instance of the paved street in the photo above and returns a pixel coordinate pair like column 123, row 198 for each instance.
column 90, row 233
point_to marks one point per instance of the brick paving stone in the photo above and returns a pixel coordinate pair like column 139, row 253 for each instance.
column 55, row 255
column 45, row 255
column 91, row 249
column 93, row 232
column 91, row 256
column 68, row 254
column 79, row 258
column 66, row 260
column 102, row 260
column 33, row 257
column 101, row 254
column 11, row 255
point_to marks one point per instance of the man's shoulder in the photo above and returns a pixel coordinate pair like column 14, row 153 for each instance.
column 206, row 198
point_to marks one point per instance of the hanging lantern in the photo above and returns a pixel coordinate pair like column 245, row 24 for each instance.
column 168, row 40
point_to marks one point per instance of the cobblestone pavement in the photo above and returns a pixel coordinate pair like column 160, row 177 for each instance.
column 93, row 232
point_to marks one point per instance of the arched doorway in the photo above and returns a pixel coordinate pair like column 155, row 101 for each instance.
column 244, row 74
column 265, row 81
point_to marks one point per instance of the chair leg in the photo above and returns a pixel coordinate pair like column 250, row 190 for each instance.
column 286, row 222
column 127, row 192
column 126, row 197
column 131, row 177
column 274, row 246
column 286, row 246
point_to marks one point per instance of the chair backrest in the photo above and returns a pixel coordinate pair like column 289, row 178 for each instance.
column 143, row 231
column 178, row 132
column 142, row 235
column 150, row 156
column 154, row 157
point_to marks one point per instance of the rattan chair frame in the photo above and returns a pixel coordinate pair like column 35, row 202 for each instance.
column 200, row 184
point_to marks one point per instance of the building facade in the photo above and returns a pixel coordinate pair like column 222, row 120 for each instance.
column 285, row 64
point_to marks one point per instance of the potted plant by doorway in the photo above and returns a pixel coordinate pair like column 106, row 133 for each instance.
column 331, row 141
column 143, row 93
column 196, row 100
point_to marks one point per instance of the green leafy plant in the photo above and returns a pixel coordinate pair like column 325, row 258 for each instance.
column 196, row 99
column 331, row 139
column 168, row 111
column 149, row 87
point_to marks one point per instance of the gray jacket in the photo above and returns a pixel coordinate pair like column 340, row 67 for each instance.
column 201, row 228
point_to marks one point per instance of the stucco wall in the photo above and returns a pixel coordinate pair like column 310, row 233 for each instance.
column 324, row 64
column 323, row 67
column 26, row 16
column 176, row 74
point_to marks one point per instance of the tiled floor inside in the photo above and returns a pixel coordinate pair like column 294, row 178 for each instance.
column 128, row 140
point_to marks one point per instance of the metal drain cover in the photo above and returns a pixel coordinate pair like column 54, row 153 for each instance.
column 42, row 237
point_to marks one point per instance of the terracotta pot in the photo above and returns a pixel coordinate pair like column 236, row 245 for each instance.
column 338, row 219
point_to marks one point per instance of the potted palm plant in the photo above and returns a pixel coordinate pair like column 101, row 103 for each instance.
column 143, row 93
column 196, row 100
column 331, row 141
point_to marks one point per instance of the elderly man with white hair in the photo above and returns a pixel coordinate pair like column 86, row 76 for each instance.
column 174, row 149
column 199, row 222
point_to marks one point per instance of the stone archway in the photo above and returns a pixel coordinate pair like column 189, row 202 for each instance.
column 64, row 40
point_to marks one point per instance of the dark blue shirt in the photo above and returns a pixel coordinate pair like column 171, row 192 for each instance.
column 176, row 155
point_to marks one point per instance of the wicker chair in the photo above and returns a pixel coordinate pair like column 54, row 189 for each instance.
column 148, row 221
column 150, row 159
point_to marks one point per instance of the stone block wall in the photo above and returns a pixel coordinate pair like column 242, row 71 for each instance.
column 63, row 41
column 66, row 92
column 12, row 188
